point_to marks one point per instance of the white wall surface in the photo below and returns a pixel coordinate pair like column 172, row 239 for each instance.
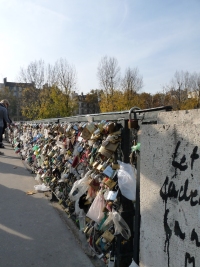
column 170, row 193
column 179, row 117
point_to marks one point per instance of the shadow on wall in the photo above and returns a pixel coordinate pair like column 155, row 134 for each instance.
column 170, row 195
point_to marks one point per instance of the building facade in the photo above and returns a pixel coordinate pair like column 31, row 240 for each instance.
column 14, row 90
column 85, row 106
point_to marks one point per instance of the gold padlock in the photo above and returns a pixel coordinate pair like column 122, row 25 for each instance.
column 115, row 166
column 99, row 167
column 53, row 180
column 109, row 182
column 86, row 229
column 95, row 164
column 108, row 236
column 98, row 240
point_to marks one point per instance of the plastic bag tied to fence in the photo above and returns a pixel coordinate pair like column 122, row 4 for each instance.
column 127, row 180
column 95, row 211
column 80, row 187
column 121, row 227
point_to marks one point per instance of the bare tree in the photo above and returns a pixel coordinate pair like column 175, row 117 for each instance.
column 66, row 75
column 132, row 81
column 34, row 73
column 179, row 87
column 108, row 73
column 66, row 80
column 195, row 85
column 51, row 75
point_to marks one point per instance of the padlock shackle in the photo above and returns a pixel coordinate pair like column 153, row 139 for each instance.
column 130, row 111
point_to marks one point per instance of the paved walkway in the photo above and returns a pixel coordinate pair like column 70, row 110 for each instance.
column 31, row 231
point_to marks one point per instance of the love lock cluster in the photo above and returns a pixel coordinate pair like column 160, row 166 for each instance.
column 80, row 163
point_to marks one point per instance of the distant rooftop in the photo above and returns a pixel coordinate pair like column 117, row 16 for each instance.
column 12, row 84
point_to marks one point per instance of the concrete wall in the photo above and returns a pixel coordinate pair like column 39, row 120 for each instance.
column 179, row 117
column 170, row 191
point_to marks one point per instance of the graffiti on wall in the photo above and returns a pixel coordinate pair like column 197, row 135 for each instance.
column 169, row 190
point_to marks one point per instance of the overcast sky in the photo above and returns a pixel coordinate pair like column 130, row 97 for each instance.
column 158, row 37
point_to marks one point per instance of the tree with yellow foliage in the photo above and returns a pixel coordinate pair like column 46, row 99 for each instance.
column 54, row 103
column 111, row 102
column 30, row 102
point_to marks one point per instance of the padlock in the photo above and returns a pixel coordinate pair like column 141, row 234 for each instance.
column 109, row 182
column 86, row 229
column 99, row 167
column 51, row 153
column 108, row 236
column 95, row 164
column 103, row 244
column 109, row 127
column 105, row 164
column 109, row 172
column 86, row 134
column 115, row 166
column 105, row 152
column 133, row 123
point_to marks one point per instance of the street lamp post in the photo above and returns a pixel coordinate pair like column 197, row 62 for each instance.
column 111, row 87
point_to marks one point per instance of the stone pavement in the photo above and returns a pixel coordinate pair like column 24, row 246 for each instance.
column 33, row 231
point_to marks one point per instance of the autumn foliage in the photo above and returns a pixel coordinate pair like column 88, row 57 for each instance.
column 53, row 91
